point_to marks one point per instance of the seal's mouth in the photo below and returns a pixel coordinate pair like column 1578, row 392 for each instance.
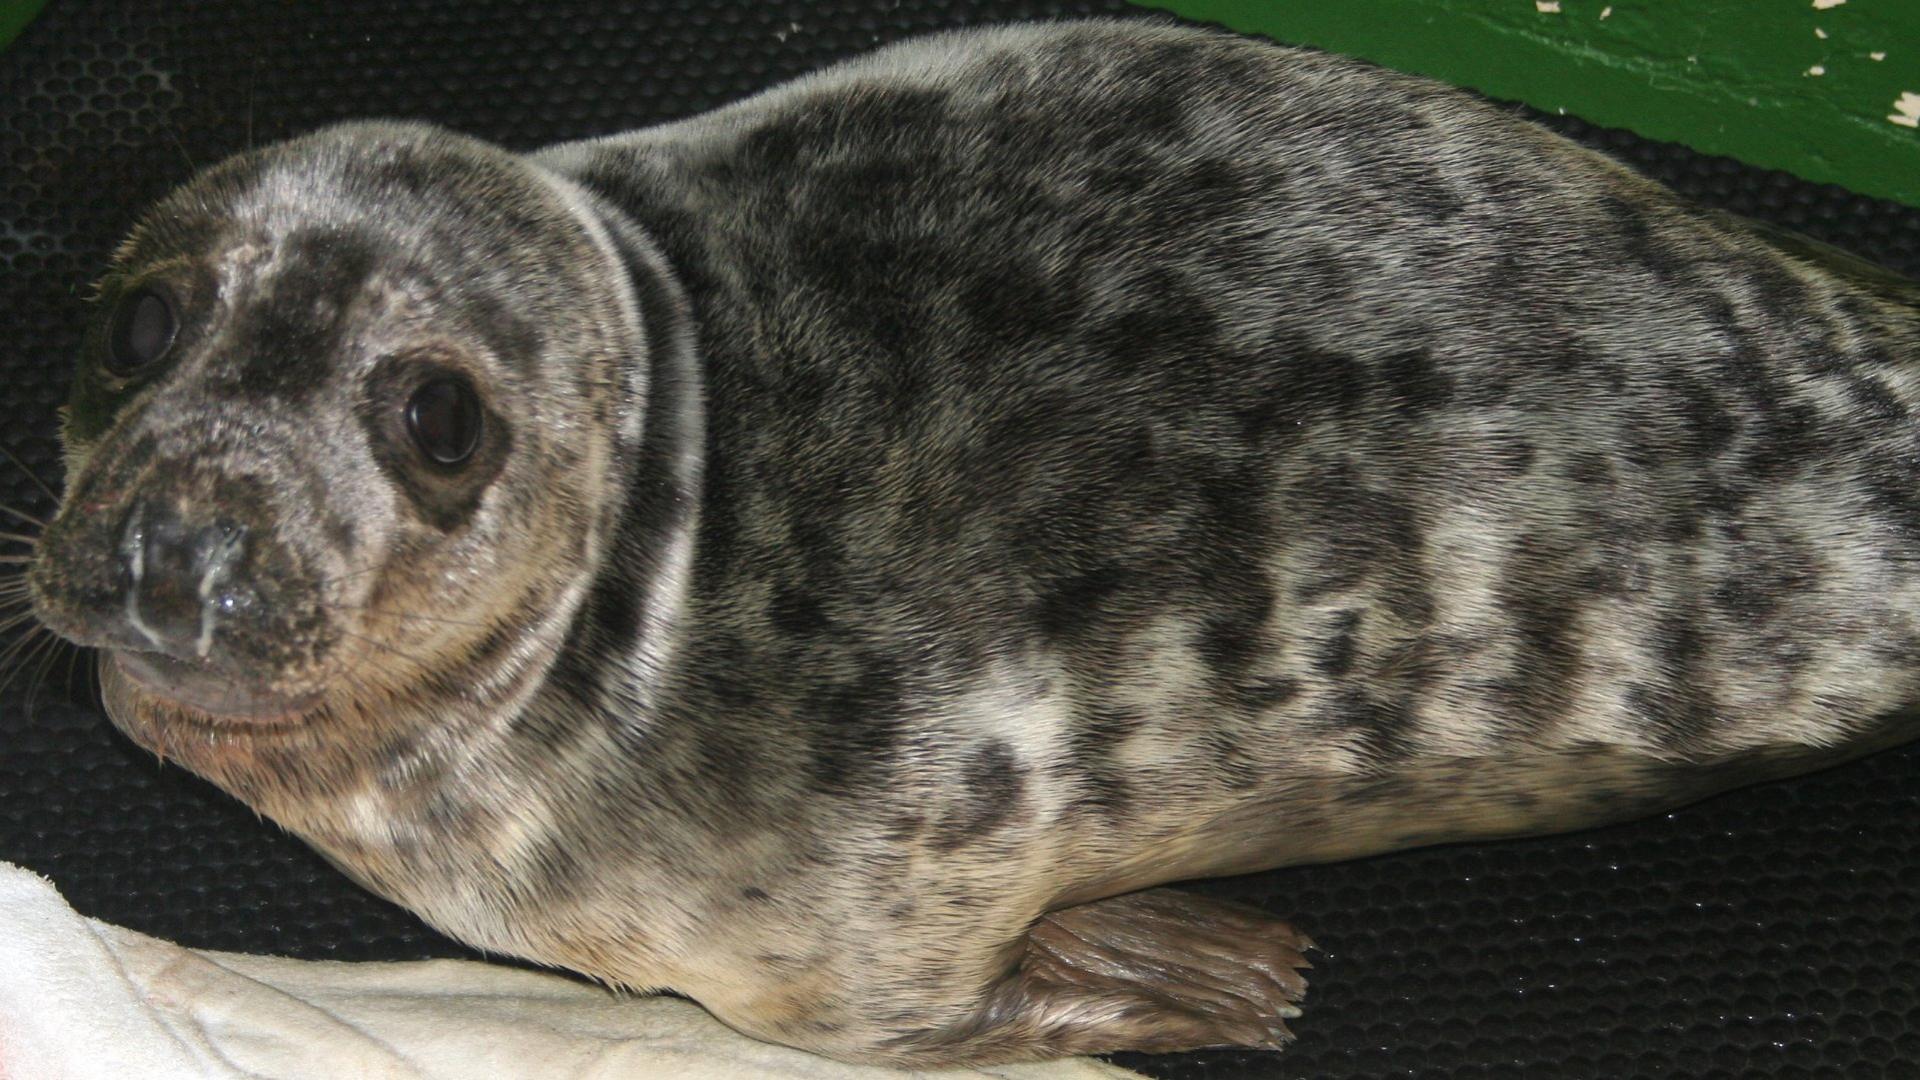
column 196, row 687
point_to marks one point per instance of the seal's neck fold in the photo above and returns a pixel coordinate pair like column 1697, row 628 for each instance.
column 641, row 586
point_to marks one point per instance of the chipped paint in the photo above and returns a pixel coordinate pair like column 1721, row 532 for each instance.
column 1906, row 111
column 1803, row 87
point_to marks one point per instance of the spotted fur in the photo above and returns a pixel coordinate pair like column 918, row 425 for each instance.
column 1010, row 469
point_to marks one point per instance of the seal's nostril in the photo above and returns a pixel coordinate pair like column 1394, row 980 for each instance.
column 177, row 574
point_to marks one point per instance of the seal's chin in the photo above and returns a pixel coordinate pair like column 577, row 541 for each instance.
column 193, row 688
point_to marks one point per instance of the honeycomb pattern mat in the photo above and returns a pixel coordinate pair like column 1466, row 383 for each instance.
column 1771, row 932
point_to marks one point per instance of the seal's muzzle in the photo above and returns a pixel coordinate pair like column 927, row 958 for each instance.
column 183, row 577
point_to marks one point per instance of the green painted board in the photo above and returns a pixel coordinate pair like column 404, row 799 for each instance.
column 14, row 17
column 1826, row 89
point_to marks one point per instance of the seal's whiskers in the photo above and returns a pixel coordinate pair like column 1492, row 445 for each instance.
column 22, row 515
column 36, row 646
column 390, row 647
column 438, row 620
column 45, row 488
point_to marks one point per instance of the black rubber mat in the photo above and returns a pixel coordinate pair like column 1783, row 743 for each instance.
column 1773, row 932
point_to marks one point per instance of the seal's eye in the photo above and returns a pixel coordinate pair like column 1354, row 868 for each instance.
column 142, row 331
column 443, row 416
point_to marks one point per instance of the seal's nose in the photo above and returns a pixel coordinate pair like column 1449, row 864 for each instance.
column 179, row 576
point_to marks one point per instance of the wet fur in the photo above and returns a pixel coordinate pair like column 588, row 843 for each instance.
column 1007, row 470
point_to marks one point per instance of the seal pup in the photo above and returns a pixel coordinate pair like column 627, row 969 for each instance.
column 829, row 556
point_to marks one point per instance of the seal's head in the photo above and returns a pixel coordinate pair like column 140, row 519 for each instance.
column 342, row 437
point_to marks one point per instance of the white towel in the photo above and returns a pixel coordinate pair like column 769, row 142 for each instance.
column 80, row 999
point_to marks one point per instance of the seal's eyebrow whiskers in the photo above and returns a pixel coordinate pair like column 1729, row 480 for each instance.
column 174, row 134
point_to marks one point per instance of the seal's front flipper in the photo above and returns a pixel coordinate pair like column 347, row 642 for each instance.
column 1156, row 971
